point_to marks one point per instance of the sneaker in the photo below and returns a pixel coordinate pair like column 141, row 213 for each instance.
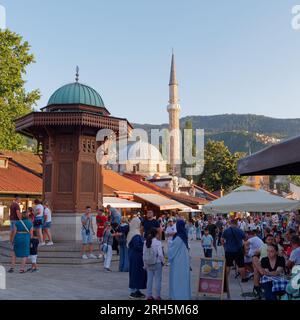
column 100, row 256
column 34, row 270
column 140, row 295
column 92, row 256
column 85, row 257
column 133, row 296
column 50, row 243
column 107, row 270
column 29, row 270
column 11, row 270
column 42, row 244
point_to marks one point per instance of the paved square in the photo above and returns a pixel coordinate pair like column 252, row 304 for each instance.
column 91, row 282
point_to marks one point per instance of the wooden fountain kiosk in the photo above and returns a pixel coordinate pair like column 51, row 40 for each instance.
column 65, row 132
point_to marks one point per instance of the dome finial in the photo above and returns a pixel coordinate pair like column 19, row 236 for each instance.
column 77, row 74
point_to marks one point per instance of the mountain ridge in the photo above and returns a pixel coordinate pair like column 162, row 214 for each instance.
column 240, row 132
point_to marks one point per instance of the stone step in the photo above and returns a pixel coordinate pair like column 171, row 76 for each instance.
column 62, row 253
column 57, row 247
column 55, row 261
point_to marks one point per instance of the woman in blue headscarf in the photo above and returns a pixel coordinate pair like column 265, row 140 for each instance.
column 178, row 255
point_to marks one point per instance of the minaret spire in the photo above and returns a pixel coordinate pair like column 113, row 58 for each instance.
column 174, row 125
column 173, row 80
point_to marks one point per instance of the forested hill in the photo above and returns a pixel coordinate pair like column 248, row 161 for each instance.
column 240, row 132
column 280, row 128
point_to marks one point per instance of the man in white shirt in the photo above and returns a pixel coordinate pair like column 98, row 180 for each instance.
column 255, row 243
column 244, row 225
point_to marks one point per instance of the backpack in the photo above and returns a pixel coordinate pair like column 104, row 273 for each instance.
column 149, row 258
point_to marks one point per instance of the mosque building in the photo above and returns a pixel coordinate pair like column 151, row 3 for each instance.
column 144, row 158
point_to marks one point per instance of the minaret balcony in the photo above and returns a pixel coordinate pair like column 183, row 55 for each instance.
column 174, row 106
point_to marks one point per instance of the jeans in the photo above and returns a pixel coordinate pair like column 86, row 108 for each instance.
column 108, row 257
column 156, row 275
column 123, row 263
column 269, row 295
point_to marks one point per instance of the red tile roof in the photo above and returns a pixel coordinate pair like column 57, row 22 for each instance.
column 180, row 197
column 17, row 180
column 28, row 160
column 114, row 181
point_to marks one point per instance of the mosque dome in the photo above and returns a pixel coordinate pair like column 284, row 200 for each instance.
column 76, row 93
column 141, row 150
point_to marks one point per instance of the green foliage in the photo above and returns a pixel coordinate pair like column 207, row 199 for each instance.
column 220, row 170
column 237, row 141
column 14, row 100
column 295, row 180
column 279, row 128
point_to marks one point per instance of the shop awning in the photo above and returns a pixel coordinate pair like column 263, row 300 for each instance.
column 119, row 203
column 280, row 159
column 161, row 202
column 251, row 200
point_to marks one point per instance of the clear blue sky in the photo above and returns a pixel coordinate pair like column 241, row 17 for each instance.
column 232, row 56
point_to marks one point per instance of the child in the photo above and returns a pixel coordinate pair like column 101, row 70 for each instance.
column 108, row 238
column 34, row 243
column 101, row 219
column 153, row 259
column 207, row 243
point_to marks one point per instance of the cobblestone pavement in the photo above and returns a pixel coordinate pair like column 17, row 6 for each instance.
column 90, row 282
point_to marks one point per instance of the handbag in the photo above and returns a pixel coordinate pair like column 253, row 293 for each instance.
column 38, row 222
column 104, row 247
column 87, row 230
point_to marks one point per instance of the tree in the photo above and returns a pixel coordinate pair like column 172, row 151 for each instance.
column 14, row 100
column 220, row 169
column 295, row 180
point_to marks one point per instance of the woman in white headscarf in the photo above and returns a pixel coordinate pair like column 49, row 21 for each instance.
column 137, row 273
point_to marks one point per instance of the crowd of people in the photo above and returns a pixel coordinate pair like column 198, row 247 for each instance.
column 262, row 247
column 29, row 230
column 259, row 247
column 142, row 254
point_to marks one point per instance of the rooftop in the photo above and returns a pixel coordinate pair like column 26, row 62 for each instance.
column 76, row 93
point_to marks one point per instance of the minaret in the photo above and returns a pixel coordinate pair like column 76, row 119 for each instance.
column 174, row 127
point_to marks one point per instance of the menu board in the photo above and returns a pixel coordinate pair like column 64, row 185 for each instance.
column 212, row 277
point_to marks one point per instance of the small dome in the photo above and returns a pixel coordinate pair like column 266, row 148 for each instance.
column 76, row 93
column 144, row 151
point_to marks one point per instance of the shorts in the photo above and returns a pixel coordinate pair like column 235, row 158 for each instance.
column 237, row 257
column 86, row 239
column 47, row 225
column 12, row 225
column 40, row 226
column 33, row 259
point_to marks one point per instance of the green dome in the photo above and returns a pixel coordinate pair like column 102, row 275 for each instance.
column 76, row 93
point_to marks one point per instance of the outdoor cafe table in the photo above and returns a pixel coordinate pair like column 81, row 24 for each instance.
column 279, row 282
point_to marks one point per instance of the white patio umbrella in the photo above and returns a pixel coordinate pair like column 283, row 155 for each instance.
column 249, row 199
